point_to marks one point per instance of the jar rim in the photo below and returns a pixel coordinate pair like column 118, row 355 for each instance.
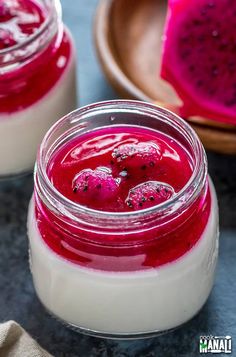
column 74, row 210
column 55, row 10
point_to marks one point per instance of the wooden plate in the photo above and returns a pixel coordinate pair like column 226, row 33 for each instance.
column 128, row 42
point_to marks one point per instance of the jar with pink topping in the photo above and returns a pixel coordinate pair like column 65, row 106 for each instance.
column 123, row 223
column 37, row 78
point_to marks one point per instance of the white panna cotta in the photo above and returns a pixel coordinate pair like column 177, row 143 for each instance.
column 21, row 132
column 125, row 303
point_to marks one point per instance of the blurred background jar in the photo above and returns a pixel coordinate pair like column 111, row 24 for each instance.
column 37, row 79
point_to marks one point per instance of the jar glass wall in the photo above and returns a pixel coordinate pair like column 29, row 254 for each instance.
column 123, row 274
column 38, row 80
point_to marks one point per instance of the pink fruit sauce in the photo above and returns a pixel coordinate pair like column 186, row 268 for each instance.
column 24, row 84
column 123, row 170
column 127, row 158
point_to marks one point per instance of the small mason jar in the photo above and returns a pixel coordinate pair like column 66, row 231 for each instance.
column 37, row 87
column 117, row 287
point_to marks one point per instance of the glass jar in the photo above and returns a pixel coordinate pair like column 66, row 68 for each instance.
column 123, row 287
column 37, row 87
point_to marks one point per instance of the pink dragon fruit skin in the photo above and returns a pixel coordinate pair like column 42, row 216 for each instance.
column 199, row 57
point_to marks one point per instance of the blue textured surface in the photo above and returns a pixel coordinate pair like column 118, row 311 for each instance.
column 17, row 297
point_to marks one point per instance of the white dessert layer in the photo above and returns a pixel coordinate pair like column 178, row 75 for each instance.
column 120, row 302
column 21, row 132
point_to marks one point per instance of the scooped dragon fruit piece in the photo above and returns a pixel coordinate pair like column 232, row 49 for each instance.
column 96, row 184
column 148, row 194
column 199, row 57
column 134, row 157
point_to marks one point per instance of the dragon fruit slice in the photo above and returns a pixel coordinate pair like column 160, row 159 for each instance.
column 199, row 57
column 136, row 157
column 148, row 194
column 95, row 184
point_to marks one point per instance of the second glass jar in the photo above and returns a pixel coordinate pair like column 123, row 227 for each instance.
column 38, row 81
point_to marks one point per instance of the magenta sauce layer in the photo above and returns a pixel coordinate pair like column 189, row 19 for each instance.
column 122, row 169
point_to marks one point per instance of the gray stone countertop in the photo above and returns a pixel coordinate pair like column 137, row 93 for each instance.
column 18, row 300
